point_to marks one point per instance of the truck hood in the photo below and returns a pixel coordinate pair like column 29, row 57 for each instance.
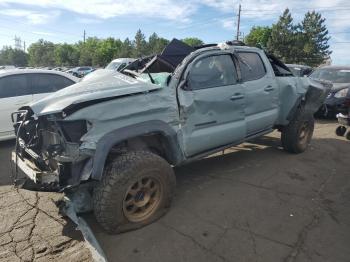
column 111, row 85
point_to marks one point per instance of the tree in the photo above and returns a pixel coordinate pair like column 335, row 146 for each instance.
column 156, row 44
column 126, row 49
column 140, row 44
column 282, row 37
column 41, row 53
column 193, row 41
column 258, row 36
column 88, row 55
column 10, row 56
column 66, row 55
column 316, row 48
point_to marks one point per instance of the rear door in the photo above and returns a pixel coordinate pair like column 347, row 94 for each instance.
column 261, row 93
column 15, row 92
column 211, row 105
column 44, row 84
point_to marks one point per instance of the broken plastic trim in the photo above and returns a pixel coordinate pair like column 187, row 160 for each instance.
column 96, row 251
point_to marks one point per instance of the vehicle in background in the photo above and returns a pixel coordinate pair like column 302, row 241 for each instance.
column 338, row 100
column 116, row 65
column 21, row 87
column 7, row 67
column 119, row 63
column 300, row 70
column 81, row 71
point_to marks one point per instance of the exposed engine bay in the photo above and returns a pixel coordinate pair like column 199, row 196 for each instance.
column 49, row 146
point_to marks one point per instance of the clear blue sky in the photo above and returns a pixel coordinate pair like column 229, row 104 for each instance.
column 209, row 20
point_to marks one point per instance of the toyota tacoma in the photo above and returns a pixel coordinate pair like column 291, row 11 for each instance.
column 114, row 140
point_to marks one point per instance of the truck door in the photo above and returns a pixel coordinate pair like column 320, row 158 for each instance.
column 261, row 93
column 211, row 105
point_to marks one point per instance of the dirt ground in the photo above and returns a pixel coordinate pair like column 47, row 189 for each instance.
column 253, row 203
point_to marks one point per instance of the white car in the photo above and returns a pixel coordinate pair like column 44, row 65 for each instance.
column 119, row 63
column 23, row 86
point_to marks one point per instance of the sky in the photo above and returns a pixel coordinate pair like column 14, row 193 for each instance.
column 212, row 21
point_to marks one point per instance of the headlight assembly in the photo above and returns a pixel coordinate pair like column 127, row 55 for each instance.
column 341, row 93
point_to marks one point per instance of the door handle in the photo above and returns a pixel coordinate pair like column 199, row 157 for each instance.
column 237, row 96
column 268, row 88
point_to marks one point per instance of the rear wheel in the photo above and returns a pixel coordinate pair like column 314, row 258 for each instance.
column 136, row 189
column 296, row 136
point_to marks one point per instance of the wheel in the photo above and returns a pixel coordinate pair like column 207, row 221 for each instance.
column 347, row 135
column 136, row 189
column 296, row 136
column 340, row 131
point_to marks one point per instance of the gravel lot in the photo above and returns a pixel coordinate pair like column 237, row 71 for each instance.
column 253, row 203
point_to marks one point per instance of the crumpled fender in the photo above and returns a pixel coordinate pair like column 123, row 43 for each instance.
column 313, row 98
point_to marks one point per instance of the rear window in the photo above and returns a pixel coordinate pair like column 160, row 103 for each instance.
column 49, row 83
column 252, row 67
column 14, row 85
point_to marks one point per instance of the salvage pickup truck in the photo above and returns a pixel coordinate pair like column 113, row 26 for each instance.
column 115, row 139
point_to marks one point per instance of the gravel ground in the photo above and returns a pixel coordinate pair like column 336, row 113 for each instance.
column 253, row 203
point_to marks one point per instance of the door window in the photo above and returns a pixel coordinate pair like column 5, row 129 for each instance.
column 49, row 83
column 251, row 65
column 212, row 71
column 14, row 85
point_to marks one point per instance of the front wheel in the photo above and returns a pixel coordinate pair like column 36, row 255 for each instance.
column 296, row 136
column 136, row 189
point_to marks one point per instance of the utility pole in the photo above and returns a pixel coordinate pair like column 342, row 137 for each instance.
column 84, row 36
column 238, row 22
column 24, row 46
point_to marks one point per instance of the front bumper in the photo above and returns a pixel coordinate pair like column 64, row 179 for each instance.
column 43, row 180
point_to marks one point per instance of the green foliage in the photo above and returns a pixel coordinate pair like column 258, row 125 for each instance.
column 193, row 41
column 281, row 42
column 10, row 56
column 41, row 53
column 66, row 55
column 258, row 36
column 94, row 52
column 156, row 44
column 316, row 48
column 304, row 43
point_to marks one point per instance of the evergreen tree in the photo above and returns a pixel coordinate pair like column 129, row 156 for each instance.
column 140, row 44
column 282, row 40
column 316, row 48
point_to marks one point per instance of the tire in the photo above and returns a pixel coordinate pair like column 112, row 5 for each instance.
column 136, row 189
column 340, row 131
column 296, row 136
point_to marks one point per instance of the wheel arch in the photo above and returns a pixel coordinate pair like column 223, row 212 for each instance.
column 173, row 154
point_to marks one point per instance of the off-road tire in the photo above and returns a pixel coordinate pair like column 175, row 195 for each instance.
column 120, row 175
column 292, row 137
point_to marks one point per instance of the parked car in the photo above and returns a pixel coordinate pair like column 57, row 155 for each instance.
column 300, row 70
column 338, row 99
column 22, row 87
column 116, row 65
column 7, row 67
column 115, row 140
column 119, row 63
column 81, row 71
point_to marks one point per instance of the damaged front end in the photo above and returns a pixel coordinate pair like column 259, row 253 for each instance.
column 47, row 151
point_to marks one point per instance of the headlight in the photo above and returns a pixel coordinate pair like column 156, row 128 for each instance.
column 342, row 93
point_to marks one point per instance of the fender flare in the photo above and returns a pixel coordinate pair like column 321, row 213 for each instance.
column 105, row 144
